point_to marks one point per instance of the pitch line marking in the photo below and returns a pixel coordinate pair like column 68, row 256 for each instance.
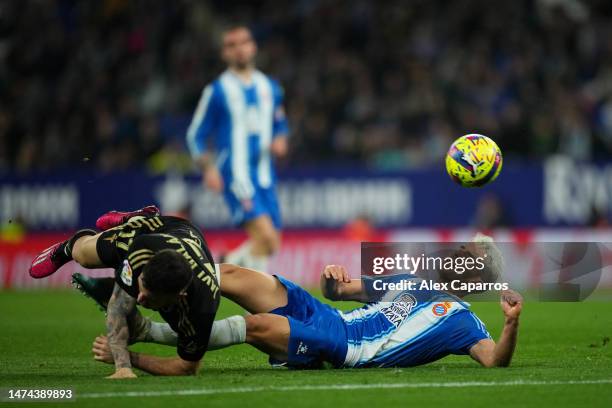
column 336, row 387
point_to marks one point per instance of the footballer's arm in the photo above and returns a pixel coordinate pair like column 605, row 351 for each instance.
column 171, row 366
column 337, row 285
column 491, row 354
column 119, row 307
column 211, row 176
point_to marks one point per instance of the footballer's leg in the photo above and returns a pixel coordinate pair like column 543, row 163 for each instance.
column 98, row 289
column 255, row 291
column 268, row 333
column 85, row 252
column 114, row 218
column 54, row 257
column 264, row 239
column 262, row 224
column 84, row 246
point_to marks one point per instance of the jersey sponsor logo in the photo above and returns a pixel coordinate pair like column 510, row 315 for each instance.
column 399, row 309
column 126, row 273
column 440, row 309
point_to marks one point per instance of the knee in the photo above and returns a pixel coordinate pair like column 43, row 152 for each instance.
column 256, row 328
column 269, row 240
column 78, row 253
column 229, row 273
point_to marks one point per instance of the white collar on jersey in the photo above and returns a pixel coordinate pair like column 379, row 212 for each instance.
column 251, row 82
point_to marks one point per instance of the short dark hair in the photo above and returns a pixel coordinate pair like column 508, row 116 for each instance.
column 234, row 25
column 228, row 27
column 167, row 272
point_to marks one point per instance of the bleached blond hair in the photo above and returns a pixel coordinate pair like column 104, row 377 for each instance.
column 494, row 261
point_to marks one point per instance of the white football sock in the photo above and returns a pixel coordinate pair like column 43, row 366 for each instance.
column 227, row 332
column 224, row 333
column 238, row 255
column 242, row 256
column 256, row 262
column 161, row 333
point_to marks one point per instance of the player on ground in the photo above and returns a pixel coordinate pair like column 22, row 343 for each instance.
column 243, row 110
column 404, row 328
column 161, row 263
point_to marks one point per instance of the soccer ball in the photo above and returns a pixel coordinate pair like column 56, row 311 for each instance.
column 473, row 160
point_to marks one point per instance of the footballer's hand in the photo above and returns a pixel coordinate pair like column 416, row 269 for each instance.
column 101, row 350
column 122, row 373
column 337, row 273
column 247, row 204
column 213, row 180
column 279, row 147
column 511, row 304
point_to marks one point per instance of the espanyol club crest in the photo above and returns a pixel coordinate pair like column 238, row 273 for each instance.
column 126, row 273
column 440, row 309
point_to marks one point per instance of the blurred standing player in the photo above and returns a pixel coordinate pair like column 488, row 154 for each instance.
column 243, row 110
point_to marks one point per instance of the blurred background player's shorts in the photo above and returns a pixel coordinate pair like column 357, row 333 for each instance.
column 264, row 202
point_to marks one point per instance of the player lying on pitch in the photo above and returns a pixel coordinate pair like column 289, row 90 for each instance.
column 405, row 328
column 161, row 263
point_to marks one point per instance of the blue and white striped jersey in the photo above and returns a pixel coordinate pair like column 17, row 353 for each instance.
column 408, row 328
column 244, row 119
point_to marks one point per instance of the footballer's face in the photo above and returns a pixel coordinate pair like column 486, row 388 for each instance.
column 239, row 48
column 155, row 301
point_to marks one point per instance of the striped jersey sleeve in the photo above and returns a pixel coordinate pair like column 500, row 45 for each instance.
column 205, row 120
column 464, row 331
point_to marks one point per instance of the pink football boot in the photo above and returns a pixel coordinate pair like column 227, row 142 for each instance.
column 48, row 261
column 113, row 218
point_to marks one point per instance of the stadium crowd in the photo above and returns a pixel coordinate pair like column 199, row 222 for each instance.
column 113, row 84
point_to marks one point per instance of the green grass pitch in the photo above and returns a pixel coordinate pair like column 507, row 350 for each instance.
column 563, row 359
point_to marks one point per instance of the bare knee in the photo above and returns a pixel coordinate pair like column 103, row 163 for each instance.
column 268, row 241
column 264, row 236
column 230, row 277
column 268, row 333
column 257, row 328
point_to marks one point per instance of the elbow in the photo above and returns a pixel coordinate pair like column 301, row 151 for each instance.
column 335, row 296
column 492, row 363
column 330, row 289
column 330, row 294
column 189, row 368
column 488, row 364
column 189, row 372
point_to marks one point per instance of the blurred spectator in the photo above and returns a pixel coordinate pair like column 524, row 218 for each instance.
column 388, row 84
column 13, row 231
column 490, row 213
column 360, row 229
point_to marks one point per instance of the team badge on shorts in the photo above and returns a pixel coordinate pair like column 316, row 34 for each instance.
column 301, row 349
column 126, row 273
